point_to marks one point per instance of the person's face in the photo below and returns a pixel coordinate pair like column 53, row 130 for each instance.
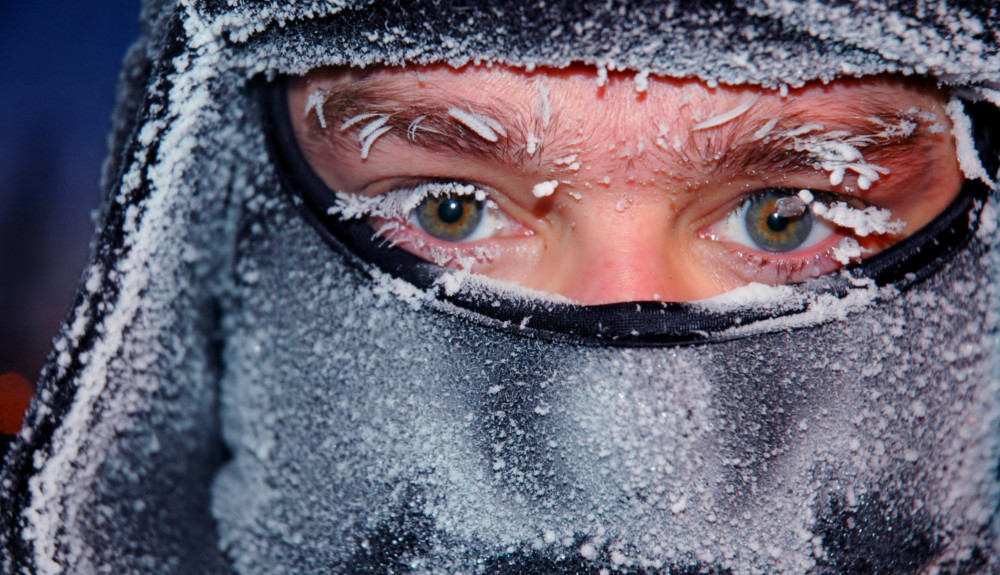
column 628, row 189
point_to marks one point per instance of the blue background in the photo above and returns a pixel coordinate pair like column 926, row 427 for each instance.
column 59, row 61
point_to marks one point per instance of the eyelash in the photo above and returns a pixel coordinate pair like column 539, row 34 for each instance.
column 437, row 198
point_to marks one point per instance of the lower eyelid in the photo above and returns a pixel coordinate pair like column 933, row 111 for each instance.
column 780, row 268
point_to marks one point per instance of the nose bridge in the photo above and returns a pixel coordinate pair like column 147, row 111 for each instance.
column 625, row 252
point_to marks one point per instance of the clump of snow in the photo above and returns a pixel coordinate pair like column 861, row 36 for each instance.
column 387, row 285
column 641, row 81
column 602, row 76
column 544, row 189
column 847, row 250
column 482, row 125
column 752, row 295
column 871, row 220
column 837, row 152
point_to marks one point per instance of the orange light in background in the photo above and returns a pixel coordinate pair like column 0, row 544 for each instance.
column 15, row 396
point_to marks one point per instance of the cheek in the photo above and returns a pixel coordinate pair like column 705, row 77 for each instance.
column 922, row 207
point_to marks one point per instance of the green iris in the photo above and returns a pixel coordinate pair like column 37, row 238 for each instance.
column 771, row 231
column 450, row 218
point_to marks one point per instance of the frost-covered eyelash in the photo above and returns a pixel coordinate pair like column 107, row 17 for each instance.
column 398, row 204
column 871, row 220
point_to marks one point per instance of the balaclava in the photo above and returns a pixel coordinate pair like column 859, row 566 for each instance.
column 243, row 386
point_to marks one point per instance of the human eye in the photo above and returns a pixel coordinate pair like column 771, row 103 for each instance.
column 456, row 218
column 450, row 223
column 781, row 235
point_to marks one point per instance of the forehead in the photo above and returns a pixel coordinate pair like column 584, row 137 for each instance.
column 594, row 128
column 625, row 100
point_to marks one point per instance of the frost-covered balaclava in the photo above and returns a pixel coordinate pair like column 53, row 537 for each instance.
column 241, row 389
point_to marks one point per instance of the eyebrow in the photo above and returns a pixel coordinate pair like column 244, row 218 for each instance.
column 737, row 146
column 871, row 127
column 441, row 124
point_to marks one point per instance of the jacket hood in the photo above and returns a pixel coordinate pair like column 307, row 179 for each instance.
column 226, row 397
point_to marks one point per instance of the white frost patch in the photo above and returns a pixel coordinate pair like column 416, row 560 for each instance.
column 679, row 506
column 451, row 281
column 837, row 152
column 641, row 81
column 602, row 76
column 847, row 250
column 387, row 285
column 727, row 116
column 752, row 294
column 545, row 189
column 871, row 220
column 988, row 221
column 543, row 109
column 373, row 127
column 483, row 126
column 764, row 130
column 968, row 157
column 315, row 102
column 531, row 146
column 368, row 135
column 820, row 308
column 356, row 119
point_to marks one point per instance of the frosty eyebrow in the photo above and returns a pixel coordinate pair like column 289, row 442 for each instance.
column 869, row 135
column 481, row 131
column 496, row 131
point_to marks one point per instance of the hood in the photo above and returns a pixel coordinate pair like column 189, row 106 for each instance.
column 239, row 389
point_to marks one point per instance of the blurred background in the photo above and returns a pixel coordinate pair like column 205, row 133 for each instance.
column 59, row 60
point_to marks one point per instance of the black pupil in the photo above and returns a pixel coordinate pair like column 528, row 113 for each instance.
column 450, row 211
column 777, row 223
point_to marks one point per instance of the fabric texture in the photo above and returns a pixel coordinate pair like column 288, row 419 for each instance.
column 236, row 391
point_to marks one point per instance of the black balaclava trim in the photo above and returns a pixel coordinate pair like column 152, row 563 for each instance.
column 626, row 323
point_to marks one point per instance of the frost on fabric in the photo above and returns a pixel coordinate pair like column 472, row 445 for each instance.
column 968, row 157
column 466, row 440
column 120, row 370
column 356, row 407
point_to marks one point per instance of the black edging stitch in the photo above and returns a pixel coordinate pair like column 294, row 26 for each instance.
column 631, row 324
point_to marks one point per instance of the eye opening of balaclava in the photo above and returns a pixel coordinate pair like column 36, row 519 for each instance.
column 901, row 265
